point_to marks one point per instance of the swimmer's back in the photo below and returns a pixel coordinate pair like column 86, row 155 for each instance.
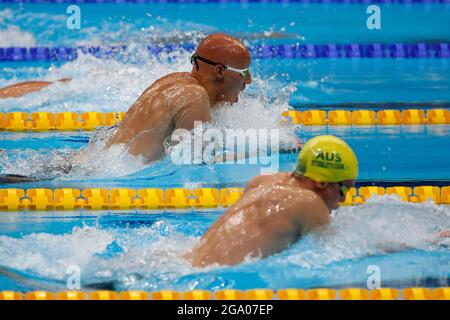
column 280, row 192
column 161, row 108
column 271, row 215
column 155, row 105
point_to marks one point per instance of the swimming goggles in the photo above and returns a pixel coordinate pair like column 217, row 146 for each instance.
column 243, row 72
column 343, row 189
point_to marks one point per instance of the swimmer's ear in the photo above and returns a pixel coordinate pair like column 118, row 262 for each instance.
column 321, row 185
column 218, row 71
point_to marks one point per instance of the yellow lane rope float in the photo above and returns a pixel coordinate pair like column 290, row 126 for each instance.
column 180, row 198
column 72, row 121
column 415, row 293
column 369, row 117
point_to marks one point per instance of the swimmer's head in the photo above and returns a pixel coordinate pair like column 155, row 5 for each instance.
column 221, row 63
column 331, row 164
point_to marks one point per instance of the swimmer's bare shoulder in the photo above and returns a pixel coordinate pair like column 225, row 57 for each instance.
column 270, row 179
column 258, row 181
column 305, row 209
column 301, row 206
column 194, row 105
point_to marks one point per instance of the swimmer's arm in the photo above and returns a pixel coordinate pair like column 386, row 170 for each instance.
column 438, row 238
column 23, row 88
column 445, row 234
column 434, row 239
column 232, row 156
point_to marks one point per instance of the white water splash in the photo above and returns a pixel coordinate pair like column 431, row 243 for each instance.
column 151, row 257
column 50, row 255
column 143, row 253
column 97, row 85
column 14, row 37
column 94, row 161
column 110, row 85
column 382, row 225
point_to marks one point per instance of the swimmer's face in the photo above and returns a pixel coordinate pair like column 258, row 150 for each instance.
column 230, row 74
column 342, row 189
column 233, row 83
column 335, row 192
column 221, row 63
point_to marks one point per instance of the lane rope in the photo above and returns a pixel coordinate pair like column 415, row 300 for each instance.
column 302, row 51
column 42, row 199
column 415, row 293
column 88, row 121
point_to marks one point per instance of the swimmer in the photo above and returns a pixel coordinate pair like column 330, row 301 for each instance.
column 276, row 210
column 219, row 73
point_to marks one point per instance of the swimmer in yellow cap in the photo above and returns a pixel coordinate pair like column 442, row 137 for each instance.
column 276, row 210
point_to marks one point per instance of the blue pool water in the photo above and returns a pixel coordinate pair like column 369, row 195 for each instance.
column 254, row 22
column 317, row 82
column 141, row 250
column 396, row 153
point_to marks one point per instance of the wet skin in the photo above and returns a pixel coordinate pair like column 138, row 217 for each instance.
column 178, row 100
column 272, row 214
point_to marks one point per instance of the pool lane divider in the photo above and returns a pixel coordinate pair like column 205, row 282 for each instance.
column 369, row 117
column 414, row 293
column 302, row 51
column 88, row 121
column 375, row 106
column 41, row 199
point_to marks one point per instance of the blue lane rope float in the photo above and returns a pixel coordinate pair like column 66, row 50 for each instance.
column 235, row 1
column 300, row 51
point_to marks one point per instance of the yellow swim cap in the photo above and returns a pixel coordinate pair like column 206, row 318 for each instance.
column 327, row 159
